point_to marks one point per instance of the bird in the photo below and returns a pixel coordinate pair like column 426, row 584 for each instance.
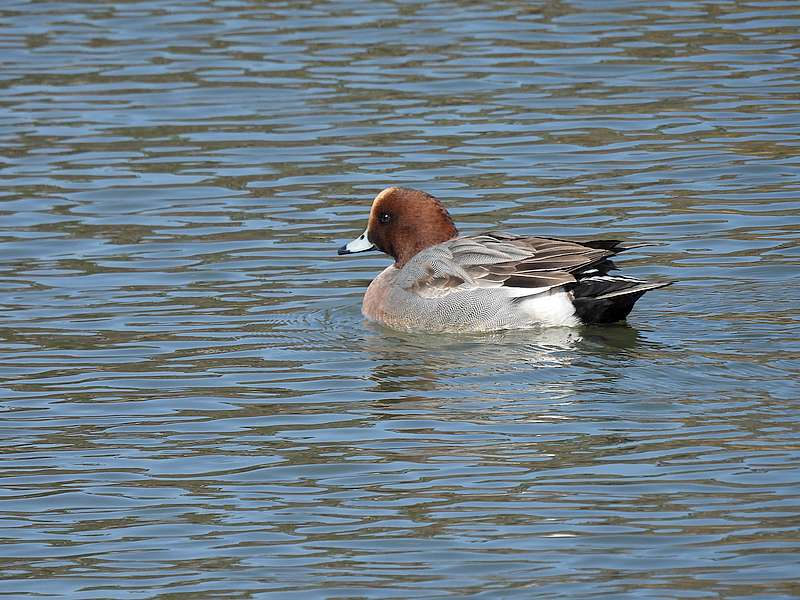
column 444, row 282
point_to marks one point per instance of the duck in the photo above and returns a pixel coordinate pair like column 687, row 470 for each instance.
column 441, row 281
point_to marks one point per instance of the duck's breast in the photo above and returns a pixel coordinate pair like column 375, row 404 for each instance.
column 376, row 302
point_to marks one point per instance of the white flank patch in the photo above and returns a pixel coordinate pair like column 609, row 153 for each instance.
column 552, row 308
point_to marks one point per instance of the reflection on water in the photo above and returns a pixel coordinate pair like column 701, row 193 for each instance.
column 191, row 401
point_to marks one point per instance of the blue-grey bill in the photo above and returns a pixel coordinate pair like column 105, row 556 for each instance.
column 360, row 244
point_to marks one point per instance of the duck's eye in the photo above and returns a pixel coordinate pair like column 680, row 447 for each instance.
column 384, row 218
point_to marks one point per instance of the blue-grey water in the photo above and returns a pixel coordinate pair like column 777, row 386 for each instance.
column 191, row 404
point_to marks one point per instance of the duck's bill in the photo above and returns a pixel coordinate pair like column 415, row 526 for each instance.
column 360, row 244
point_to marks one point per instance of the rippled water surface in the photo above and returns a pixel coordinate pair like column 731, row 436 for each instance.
column 192, row 405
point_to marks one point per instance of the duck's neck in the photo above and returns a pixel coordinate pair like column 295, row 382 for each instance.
column 420, row 239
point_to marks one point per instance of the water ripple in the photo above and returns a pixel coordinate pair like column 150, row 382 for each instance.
column 191, row 402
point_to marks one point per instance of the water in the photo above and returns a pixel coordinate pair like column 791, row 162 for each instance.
column 192, row 405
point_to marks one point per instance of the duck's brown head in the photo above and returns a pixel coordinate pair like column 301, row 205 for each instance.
column 402, row 222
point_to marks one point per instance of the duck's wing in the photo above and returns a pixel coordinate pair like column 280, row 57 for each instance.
column 524, row 266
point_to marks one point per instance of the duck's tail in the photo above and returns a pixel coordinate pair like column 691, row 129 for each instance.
column 609, row 298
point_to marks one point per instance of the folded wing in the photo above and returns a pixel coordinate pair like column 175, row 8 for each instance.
column 524, row 266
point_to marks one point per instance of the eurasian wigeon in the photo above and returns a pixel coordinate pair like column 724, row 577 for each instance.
column 442, row 282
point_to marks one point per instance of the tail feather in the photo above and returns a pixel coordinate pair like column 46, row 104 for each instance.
column 616, row 245
column 607, row 299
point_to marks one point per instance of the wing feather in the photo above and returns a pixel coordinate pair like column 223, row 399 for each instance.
column 525, row 266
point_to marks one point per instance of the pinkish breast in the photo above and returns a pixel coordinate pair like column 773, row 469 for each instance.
column 374, row 305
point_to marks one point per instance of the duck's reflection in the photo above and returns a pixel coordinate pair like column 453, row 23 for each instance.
column 423, row 362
